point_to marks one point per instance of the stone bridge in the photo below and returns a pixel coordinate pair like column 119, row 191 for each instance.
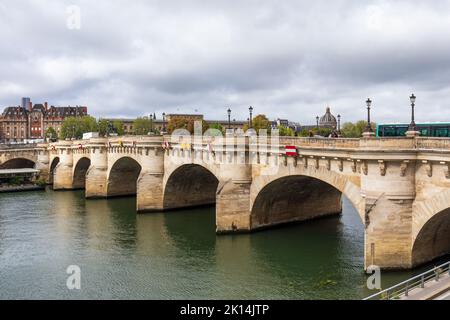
column 400, row 187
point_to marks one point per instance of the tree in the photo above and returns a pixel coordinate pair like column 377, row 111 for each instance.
column 303, row 133
column 182, row 123
column 217, row 126
column 51, row 133
column 355, row 130
column 74, row 127
column 142, row 126
column 285, row 131
column 324, row 132
column 118, row 126
column 88, row 124
column 70, row 128
column 103, row 127
column 259, row 122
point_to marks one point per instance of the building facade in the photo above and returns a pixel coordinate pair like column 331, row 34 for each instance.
column 24, row 123
column 161, row 124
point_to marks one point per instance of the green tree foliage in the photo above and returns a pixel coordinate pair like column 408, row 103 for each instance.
column 88, row 124
column 118, row 127
column 51, row 133
column 355, row 130
column 103, row 127
column 217, row 126
column 182, row 123
column 259, row 122
column 303, row 133
column 324, row 132
column 107, row 127
column 74, row 127
column 285, row 131
column 142, row 126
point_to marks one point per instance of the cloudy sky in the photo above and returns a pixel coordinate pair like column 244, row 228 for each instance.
column 287, row 59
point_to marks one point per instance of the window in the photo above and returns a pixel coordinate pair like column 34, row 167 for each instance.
column 388, row 131
column 401, row 131
column 441, row 132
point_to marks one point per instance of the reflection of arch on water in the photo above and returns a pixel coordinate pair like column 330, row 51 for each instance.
column 18, row 163
column 194, row 227
column 190, row 185
column 53, row 165
column 122, row 178
column 79, row 173
column 294, row 198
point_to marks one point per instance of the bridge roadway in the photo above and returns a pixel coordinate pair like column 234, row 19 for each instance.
column 400, row 187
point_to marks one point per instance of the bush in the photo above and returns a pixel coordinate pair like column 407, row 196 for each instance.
column 41, row 182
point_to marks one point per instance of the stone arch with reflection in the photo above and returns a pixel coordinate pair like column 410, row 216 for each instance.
column 79, row 173
column 190, row 185
column 295, row 198
column 122, row 177
column 52, row 169
column 18, row 163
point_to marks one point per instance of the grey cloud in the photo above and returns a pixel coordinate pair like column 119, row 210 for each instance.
column 286, row 58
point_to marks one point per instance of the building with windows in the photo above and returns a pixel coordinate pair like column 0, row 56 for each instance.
column 23, row 123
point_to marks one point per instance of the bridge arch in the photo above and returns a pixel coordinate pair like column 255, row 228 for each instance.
column 287, row 198
column 122, row 177
column 79, row 173
column 431, row 229
column 190, row 185
column 52, row 168
column 18, row 163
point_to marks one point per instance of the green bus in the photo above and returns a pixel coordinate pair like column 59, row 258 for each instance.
column 426, row 129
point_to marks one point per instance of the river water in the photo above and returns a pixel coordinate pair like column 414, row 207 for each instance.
column 173, row 255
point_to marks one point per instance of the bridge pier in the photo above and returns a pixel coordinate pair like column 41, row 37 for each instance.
column 96, row 176
column 150, row 189
column 43, row 164
column 233, row 207
column 63, row 178
column 389, row 192
column 233, row 198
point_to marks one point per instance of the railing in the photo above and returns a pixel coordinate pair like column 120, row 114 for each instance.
column 320, row 142
column 384, row 143
column 433, row 143
column 404, row 288
column 18, row 146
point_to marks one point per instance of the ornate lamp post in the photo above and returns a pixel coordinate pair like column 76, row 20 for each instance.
column 229, row 118
column 250, row 119
column 412, row 129
column 369, row 126
column 164, row 121
column 412, row 125
column 339, row 124
column 368, row 132
column 151, row 123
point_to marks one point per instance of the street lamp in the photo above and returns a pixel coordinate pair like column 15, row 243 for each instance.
column 164, row 121
column 369, row 126
column 229, row 118
column 412, row 125
column 339, row 124
column 251, row 112
column 317, row 124
column 151, row 123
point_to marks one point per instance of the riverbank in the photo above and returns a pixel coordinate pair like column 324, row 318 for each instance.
column 20, row 188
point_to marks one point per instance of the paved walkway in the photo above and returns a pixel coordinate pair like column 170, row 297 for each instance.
column 433, row 290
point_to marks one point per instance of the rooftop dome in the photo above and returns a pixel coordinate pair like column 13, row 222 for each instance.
column 328, row 120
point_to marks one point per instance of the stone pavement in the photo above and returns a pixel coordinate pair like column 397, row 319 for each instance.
column 433, row 290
